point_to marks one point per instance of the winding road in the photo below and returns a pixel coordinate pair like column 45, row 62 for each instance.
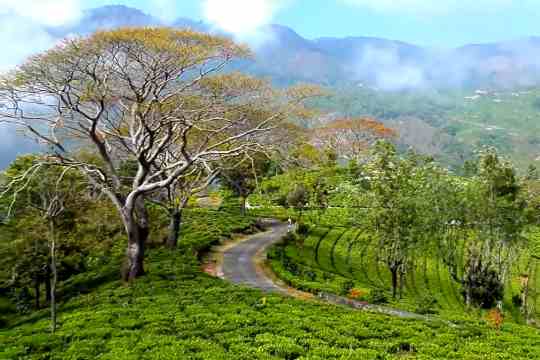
column 243, row 264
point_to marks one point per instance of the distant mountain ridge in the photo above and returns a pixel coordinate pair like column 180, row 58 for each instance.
column 384, row 64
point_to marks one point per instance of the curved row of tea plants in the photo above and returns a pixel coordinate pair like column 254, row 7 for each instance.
column 340, row 259
column 176, row 312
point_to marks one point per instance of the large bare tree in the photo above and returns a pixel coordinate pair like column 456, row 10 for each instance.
column 154, row 96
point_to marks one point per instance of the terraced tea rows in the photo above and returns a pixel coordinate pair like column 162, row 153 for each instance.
column 353, row 254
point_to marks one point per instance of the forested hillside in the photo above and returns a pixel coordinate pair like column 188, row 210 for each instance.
column 192, row 198
column 435, row 112
column 450, row 125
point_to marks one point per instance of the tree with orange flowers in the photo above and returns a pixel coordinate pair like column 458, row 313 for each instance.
column 350, row 138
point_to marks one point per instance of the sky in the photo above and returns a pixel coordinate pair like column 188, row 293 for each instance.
column 434, row 23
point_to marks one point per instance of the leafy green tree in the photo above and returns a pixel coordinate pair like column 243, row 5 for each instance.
column 43, row 197
column 298, row 199
column 396, row 213
column 482, row 285
column 487, row 218
column 320, row 196
column 243, row 179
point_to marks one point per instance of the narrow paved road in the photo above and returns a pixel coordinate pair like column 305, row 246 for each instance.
column 240, row 261
column 242, row 265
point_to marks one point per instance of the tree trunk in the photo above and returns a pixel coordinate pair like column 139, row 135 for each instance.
column 243, row 201
column 137, row 236
column 37, row 289
column 174, row 228
column 137, row 231
column 468, row 297
column 54, row 277
column 401, row 283
column 525, row 298
column 394, row 282
column 48, row 279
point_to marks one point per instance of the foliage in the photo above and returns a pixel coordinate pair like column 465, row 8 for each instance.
column 155, row 97
column 377, row 296
column 350, row 139
column 482, row 283
column 298, row 198
column 397, row 210
column 326, row 259
column 302, row 229
column 177, row 311
column 495, row 318
column 346, row 287
column 449, row 125
column 426, row 305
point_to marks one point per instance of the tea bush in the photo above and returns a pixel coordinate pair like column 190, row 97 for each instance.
column 176, row 312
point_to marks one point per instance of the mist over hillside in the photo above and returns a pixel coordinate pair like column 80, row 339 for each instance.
column 379, row 76
column 383, row 64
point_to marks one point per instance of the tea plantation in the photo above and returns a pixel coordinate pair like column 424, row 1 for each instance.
column 338, row 260
column 178, row 312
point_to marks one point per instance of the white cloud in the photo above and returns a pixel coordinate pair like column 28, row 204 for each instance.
column 387, row 70
column 166, row 10
column 23, row 26
column 243, row 18
column 20, row 38
column 44, row 12
column 430, row 7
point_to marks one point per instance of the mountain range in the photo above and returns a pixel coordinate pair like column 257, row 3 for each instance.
column 475, row 103
column 286, row 57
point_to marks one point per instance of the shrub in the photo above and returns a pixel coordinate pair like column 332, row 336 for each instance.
column 402, row 347
column 426, row 305
column 302, row 229
column 495, row 318
column 282, row 201
column 298, row 198
column 290, row 238
column 358, row 294
column 517, row 300
column 310, row 275
column 291, row 266
column 482, row 284
column 276, row 253
column 346, row 287
column 22, row 300
column 378, row 296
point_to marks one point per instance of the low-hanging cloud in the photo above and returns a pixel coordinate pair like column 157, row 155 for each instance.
column 23, row 32
column 240, row 17
column 387, row 71
column 24, row 23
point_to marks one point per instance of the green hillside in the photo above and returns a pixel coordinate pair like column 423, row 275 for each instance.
column 161, row 167
column 450, row 124
column 177, row 312
column 329, row 258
